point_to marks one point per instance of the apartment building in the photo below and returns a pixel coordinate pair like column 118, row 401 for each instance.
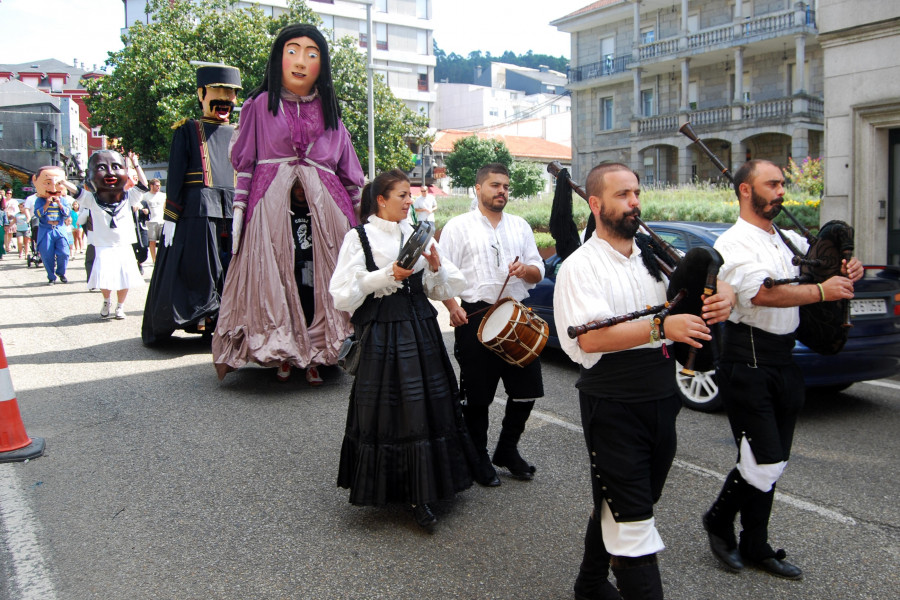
column 748, row 75
column 403, row 39
column 44, row 119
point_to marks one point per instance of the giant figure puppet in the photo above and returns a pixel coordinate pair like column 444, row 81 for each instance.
column 189, row 273
column 299, row 181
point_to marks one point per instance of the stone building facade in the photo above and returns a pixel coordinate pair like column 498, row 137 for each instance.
column 862, row 122
column 747, row 74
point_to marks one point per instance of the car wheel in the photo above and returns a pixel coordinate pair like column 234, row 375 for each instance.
column 700, row 392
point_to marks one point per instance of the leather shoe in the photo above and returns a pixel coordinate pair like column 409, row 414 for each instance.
column 509, row 458
column 776, row 565
column 730, row 558
column 491, row 481
column 424, row 517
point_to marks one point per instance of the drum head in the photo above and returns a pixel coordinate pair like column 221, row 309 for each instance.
column 497, row 320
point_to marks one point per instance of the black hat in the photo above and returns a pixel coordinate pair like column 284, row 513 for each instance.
column 216, row 75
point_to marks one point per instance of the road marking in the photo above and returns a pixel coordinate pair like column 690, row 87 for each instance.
column 882, row 383
column 30, row 575
column 703, row 471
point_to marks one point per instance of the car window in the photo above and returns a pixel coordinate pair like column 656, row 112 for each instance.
column 696, row 241
column 675, row 239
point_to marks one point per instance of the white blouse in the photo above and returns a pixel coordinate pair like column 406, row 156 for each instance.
column 102, row 235
column 751, row 255
column 352, row 282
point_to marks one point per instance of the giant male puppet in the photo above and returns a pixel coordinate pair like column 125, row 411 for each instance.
column 186, row 287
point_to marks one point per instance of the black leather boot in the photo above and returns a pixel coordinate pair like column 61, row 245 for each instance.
column 477, row 418
column 754, row 545
column 593, row 582
column 718, row 521
column 507, row 453
column 638, row 578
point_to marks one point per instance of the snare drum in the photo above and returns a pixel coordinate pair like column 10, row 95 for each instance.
column 514, row 332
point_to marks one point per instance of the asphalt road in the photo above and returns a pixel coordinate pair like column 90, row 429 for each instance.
column 161, row 482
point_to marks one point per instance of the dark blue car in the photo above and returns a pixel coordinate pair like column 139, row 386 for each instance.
column 872, row 350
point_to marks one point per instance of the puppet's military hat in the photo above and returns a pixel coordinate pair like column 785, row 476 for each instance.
column 218, row 75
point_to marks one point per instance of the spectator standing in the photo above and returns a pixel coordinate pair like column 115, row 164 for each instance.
column 23, row 230
column 156, row 202
column 77, row 229
column 425, row 205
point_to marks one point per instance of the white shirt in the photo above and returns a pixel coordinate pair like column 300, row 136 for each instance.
column 157, row 203
column 598, row 282
column 751, row 255
column 422, row 204
column 102, row 235
column 29, row 203
column 352, row 281
column 484, row 254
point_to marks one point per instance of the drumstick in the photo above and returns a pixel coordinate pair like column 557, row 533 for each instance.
column 477, row 312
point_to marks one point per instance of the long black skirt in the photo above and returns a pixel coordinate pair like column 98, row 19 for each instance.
column 405, row 439
column 186, row 287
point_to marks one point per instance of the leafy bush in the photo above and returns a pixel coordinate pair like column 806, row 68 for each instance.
column 807, row 177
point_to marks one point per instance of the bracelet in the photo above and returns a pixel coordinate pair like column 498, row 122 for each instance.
column 821, row 292
column 654, row 332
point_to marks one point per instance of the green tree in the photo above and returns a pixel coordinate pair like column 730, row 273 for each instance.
column 525, row 179
column 470, row 154
column 152, row 84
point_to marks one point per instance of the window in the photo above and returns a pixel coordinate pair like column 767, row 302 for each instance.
column 608, row 52
column 494, row 111
column 606, row 114
column 381, row 5
column 381, row 37
column 647, row 108
column 648, row 35
column 423, row 79
column 421, row 9
column 422, row 42
column 328, row 23
column 554, row 109
column 363, row 36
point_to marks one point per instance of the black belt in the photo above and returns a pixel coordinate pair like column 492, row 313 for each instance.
column 752, row 345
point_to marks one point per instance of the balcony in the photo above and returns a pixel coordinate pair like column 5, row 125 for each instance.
column 777, row 109
column 752, row 29
column 606, row 67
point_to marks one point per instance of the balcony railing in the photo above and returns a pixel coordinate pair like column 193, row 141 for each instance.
column 604, row 68
column 660, row 48
column 800, row 105
column 710, row 37
column 768, row 109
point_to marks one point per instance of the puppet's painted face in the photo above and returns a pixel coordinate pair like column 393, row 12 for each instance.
column 106, row 171
column 218, row 102
column 48, row 184
column 301, row 63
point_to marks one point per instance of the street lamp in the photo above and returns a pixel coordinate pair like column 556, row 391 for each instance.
column 427, row 154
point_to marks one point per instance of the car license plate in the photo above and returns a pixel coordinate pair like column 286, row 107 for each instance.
column 868, row 307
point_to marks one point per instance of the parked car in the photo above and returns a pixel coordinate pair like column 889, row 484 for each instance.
column 873, row 346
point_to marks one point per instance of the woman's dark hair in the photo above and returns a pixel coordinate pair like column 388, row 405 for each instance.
column 271, row 82
column 381, row 186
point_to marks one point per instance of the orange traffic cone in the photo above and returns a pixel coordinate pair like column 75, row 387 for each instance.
column 15, row 445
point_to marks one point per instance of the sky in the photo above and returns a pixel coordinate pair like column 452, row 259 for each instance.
column 88, row 29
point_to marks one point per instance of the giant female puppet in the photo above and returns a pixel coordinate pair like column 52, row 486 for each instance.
column 293, row 157
column 189, row 272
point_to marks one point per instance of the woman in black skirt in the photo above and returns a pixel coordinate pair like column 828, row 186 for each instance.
column 405, row 439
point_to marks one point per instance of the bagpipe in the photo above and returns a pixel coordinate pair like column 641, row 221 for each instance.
column 824, row 325
column 691, row 276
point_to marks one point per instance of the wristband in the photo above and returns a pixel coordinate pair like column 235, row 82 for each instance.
column 662, row 330
column 821, row 292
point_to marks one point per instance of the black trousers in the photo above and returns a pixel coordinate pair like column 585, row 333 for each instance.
column 631, row 446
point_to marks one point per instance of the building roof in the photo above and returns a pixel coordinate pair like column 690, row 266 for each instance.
column 586, row 9
column 16, row 93
column 47, row 66
column 519, row 146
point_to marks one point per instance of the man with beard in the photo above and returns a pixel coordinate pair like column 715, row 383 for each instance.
column 188, row 276
column 490, row 247
column 760, row 385
column 627, row 389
